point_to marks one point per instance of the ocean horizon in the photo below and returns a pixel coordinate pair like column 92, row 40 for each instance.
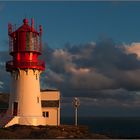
column 114, row 127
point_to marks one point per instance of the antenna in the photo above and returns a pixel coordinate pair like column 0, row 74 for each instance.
column 32, row 23
column 9, row 28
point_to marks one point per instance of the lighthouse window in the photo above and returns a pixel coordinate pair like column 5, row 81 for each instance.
column 27, row 41
column 35, row 42
column 37, row 99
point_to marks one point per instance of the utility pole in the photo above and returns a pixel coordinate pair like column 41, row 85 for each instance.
column 76, row 104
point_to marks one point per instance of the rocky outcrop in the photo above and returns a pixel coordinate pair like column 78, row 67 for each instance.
column 48, row 132
column 42, row 132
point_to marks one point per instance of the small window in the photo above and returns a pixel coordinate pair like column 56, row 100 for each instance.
column 37, row 99
column 45, row 114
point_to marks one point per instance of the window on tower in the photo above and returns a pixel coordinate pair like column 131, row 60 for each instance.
column 37, row 99
column 36, row 77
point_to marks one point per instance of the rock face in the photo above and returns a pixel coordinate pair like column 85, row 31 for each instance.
column 48, row 132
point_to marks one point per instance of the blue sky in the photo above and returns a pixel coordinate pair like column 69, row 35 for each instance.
column 76, row 22
column 104, row 73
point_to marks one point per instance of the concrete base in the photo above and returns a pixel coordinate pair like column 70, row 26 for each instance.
column 32, row 121
column 35, row 121
column 12, row 121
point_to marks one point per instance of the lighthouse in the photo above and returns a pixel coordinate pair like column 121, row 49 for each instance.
column 28, row 104
column 25, row 45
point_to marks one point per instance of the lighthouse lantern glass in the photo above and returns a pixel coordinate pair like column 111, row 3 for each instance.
column 25, row 46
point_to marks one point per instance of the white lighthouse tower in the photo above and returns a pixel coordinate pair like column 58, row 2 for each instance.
column 25, row 68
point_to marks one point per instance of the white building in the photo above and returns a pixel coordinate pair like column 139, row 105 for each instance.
column 50, row 100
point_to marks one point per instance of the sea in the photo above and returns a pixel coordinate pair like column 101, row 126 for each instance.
column 114, row 127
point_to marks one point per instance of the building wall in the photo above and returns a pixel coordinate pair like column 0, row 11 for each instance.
column 53, row 117
column 25, row 91
column 25, row 99
column 51, row 112
column 50, row 95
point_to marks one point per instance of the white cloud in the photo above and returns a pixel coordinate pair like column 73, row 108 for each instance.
column 55, row 77
column 133, row 48
column 79, row 70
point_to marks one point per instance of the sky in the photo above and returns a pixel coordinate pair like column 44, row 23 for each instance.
column 91, row 50
column 76, row 22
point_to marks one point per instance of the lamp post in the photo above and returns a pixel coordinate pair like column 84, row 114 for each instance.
column 76, row 104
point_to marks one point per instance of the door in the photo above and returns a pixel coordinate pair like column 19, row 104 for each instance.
column 15, row 108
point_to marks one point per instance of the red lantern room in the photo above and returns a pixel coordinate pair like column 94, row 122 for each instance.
column 25, row 46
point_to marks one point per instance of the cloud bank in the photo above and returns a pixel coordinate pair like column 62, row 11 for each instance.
column 100, row 73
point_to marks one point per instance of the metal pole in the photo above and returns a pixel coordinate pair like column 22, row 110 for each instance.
column 76, row 104
column 75, row 116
